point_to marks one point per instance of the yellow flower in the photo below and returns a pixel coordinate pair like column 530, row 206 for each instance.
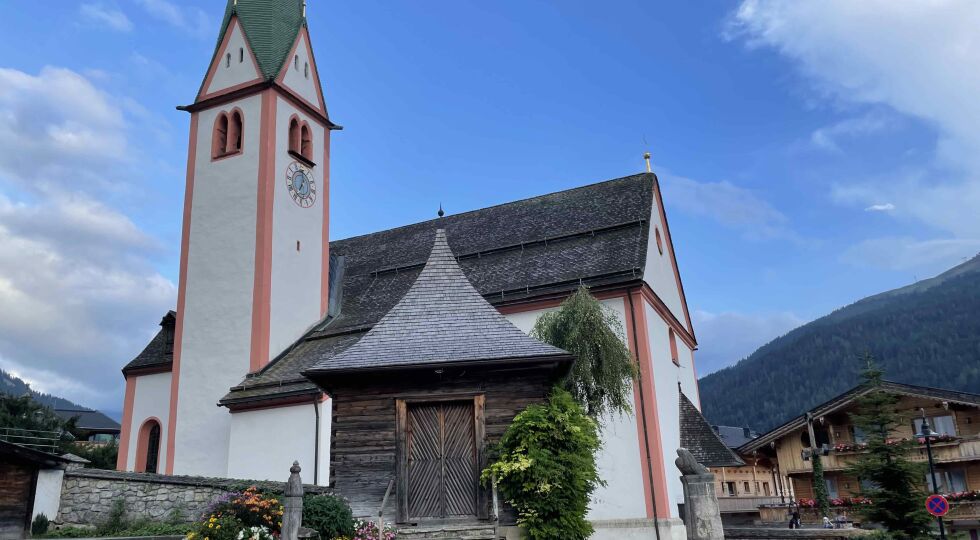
column 218, row 527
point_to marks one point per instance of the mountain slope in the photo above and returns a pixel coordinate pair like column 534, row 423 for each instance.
column 17, row 387
column 927, row 333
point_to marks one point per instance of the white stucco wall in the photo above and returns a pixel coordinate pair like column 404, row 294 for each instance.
column 47, row 494
column 296, row 78
column 666, row 376
column 217, row 314
column 658, row 272
column 619, row 461
column 292, row 431
column 226, row 76
column 295, row 296
column 151, row 399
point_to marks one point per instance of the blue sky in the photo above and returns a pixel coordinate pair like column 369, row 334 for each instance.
column 810, row 153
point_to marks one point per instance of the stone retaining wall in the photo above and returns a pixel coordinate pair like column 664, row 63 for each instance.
column 793, row 534
column 87, row 495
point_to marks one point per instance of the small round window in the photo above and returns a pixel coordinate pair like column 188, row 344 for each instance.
column 660, row 242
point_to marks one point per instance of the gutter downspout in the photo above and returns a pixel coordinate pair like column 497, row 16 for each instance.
column 316, row 441
column 643, row 417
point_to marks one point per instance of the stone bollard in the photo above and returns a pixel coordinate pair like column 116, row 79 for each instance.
column 292, row 513
column 702, row 516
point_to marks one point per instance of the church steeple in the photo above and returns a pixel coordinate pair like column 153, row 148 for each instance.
column 270, row 27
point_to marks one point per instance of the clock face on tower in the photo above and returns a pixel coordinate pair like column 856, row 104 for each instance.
column 300, row 184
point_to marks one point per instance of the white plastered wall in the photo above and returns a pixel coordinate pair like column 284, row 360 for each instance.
column 292, row 431
column 236, row 72
column 658, row 271
column 295, row 296
column 619, row 461
column 151, row 399
column 296, row 77
column 217, row 324
column 47, row 494
column 666, row 376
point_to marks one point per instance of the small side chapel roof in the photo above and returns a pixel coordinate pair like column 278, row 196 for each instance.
column 441, row 320
column 701, row 440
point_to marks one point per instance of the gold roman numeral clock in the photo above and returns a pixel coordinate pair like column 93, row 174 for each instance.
column 300, row 184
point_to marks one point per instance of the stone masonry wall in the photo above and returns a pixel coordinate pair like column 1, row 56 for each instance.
column 87, row 495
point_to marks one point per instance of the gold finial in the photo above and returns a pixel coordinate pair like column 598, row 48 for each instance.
column 304, row 8
column 646, row 157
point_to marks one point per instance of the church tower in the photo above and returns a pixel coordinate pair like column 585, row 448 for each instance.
column 254, row 261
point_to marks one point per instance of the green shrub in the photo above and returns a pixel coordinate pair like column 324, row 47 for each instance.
column 71, row 532
column 156, row 528
column 216, row 528
column 546, row 468
column 115, row 522
column 328, row 515
column 40, row 525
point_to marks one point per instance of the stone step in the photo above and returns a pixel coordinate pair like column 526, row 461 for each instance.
column 447, row 532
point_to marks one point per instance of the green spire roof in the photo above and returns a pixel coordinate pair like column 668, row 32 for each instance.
column 270, row 27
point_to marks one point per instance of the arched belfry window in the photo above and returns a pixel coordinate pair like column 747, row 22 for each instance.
column 295, row 141
column 229, row 130
column 306, row 142
column 148, row 446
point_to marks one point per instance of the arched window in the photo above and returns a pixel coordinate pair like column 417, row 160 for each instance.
column 306, row 142
column 294, row 136
column 306, row 70
column 219, row 142
column 235, row 132
column 148, row 446
column 660, row 242
column 673, row 347
column 296, row 62
column 228, row 60
column 241, row 54
column 229, row 130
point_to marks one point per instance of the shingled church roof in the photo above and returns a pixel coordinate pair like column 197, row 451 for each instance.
column 159, row 352
column 441, row 320
column 701, row 440
column 524, row 250
column 270, row 27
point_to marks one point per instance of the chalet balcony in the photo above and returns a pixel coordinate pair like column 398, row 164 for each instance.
column 952, row 451
column 960, row 510
column 747, row 504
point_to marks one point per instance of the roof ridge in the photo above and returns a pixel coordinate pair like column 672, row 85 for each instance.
column 508, row 203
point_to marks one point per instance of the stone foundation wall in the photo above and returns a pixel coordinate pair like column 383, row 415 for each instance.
column 87, row 495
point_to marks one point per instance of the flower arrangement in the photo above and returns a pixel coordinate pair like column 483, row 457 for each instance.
column 369, row 531
column 255, row 533
column 860, row 447
column 245, row 515
column 963, row 496
column 840, row 502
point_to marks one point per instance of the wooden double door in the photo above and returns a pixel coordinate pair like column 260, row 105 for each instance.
column 441, row 459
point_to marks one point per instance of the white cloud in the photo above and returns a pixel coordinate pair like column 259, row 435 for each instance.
column 881, row 207
column 828, row 138
column 108, row 16
column 190, row 19
column 726, row 338
column 77, row 284
column 729, row 205
column 918, row 59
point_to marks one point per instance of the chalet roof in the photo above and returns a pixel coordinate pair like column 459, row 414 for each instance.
column 159, row 352
column 701, row 440
column 441, row 320
column 89, row 420
column 733, row 437
column 528, row 249
column 847, row 398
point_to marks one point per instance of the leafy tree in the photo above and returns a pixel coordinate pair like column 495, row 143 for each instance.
column 24, row 413
column 601, row 378
column 889, row 478
column 101, row 456
column 547, row 469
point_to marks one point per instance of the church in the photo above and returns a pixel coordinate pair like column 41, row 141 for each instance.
column 286, row 344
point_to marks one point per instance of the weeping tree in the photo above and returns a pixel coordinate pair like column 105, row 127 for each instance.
column 601, row 378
